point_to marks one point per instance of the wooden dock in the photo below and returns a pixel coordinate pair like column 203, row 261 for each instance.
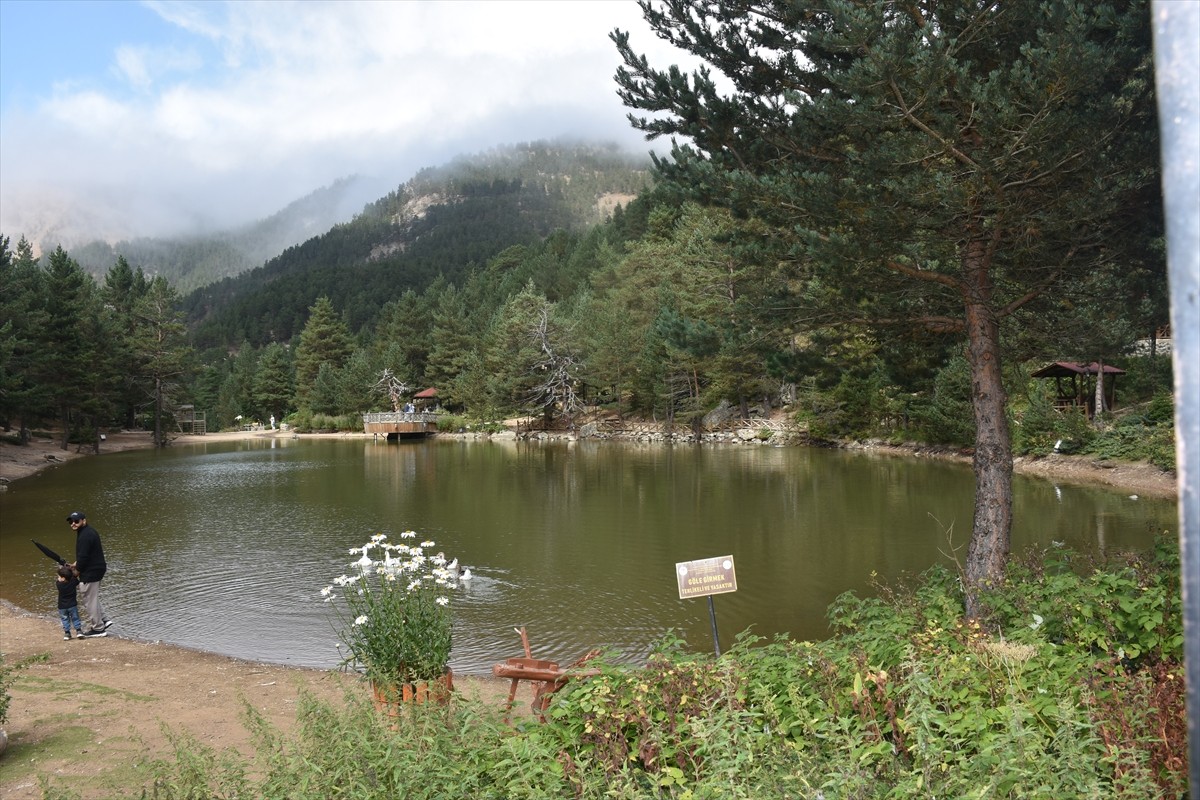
column 401, row 424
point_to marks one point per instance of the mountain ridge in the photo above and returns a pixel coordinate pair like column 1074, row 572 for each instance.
column 441, row 223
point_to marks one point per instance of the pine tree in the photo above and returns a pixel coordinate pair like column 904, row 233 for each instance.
column 403, row 334
column 938, row 163
column 24, row 326
column 274, row 388
column 71, row 360
column 324, row 340
column 451, row 344
column 159, row 348
column 122, row 290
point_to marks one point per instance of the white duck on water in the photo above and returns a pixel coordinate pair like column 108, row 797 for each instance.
column 463, row 573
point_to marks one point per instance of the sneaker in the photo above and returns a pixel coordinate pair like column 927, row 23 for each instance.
column 66, row 637
column 93, row 634
column 108, row 623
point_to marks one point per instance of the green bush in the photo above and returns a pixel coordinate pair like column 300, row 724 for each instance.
column 1132, row 437
column 308, row 422
column 946, row 416
column 451, row 423
column 1041, row 429
column 1161, row 409
column 300, row 421
column 1129, row 609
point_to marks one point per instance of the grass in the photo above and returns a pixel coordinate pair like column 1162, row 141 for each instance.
column 92, row 694
column 21, row 762
column 111, row 768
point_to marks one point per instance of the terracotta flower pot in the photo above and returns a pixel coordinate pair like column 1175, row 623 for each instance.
column 391, row 699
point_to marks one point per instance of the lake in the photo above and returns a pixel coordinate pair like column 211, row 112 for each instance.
column 225, row 547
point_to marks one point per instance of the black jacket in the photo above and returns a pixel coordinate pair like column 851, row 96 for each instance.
column 89, row 555
column 66, row 592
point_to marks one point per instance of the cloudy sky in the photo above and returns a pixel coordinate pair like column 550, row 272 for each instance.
column 140, row 118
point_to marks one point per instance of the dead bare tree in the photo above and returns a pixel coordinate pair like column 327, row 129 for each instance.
column 557, row 390
column 395, row 388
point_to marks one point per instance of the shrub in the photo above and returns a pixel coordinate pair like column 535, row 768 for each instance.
column 309, row 422
column 1040, row 427
column 1132, row 438
column 451, row 423
column 947, row 417
column 647, row 718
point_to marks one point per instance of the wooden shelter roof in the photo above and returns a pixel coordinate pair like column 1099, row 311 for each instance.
column 1065, row 369
column 425, row 394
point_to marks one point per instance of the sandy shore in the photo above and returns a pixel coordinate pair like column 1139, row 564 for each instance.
column 91, row 712
column 18, row 462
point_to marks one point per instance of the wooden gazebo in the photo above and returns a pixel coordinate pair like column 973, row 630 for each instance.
column 1075, row 384
column 425, row 399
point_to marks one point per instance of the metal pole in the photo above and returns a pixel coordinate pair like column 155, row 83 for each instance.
column 712, row 616
column 1176, row 71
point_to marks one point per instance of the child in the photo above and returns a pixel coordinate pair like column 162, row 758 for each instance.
column 68, row 604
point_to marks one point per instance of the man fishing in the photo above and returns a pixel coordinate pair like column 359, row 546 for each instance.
column 90, row 566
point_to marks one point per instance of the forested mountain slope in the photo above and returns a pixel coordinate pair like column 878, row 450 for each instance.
column 443, row 222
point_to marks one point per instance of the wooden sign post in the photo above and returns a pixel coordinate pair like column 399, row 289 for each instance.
column 704, row 578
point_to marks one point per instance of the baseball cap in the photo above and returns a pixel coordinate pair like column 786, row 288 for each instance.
column 76, row 516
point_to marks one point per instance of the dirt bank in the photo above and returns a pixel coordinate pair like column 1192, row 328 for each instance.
column 1144, row 480
column 91, row 714
column 18, row 462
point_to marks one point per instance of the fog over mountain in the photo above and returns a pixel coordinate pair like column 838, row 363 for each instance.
column 193, row 259
column 185, row 118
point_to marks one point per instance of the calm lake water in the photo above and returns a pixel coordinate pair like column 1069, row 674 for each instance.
column 226, row 546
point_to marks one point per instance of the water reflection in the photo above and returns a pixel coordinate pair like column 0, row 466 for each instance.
column 225, row 546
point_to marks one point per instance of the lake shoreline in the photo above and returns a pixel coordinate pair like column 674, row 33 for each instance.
column 118, row 696
column 18, row 462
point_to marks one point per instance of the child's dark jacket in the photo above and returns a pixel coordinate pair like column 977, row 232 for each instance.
column 67, row 596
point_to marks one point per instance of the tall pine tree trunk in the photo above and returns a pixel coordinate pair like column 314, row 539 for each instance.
column 992, row 527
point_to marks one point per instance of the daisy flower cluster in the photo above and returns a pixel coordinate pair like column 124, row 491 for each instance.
column 393, row 609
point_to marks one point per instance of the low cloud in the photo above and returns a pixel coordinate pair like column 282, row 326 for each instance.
column 251, row 105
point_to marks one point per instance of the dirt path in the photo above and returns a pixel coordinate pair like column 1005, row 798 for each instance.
column 92, row 712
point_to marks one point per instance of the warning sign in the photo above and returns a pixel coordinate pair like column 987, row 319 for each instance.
column 706, row 576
